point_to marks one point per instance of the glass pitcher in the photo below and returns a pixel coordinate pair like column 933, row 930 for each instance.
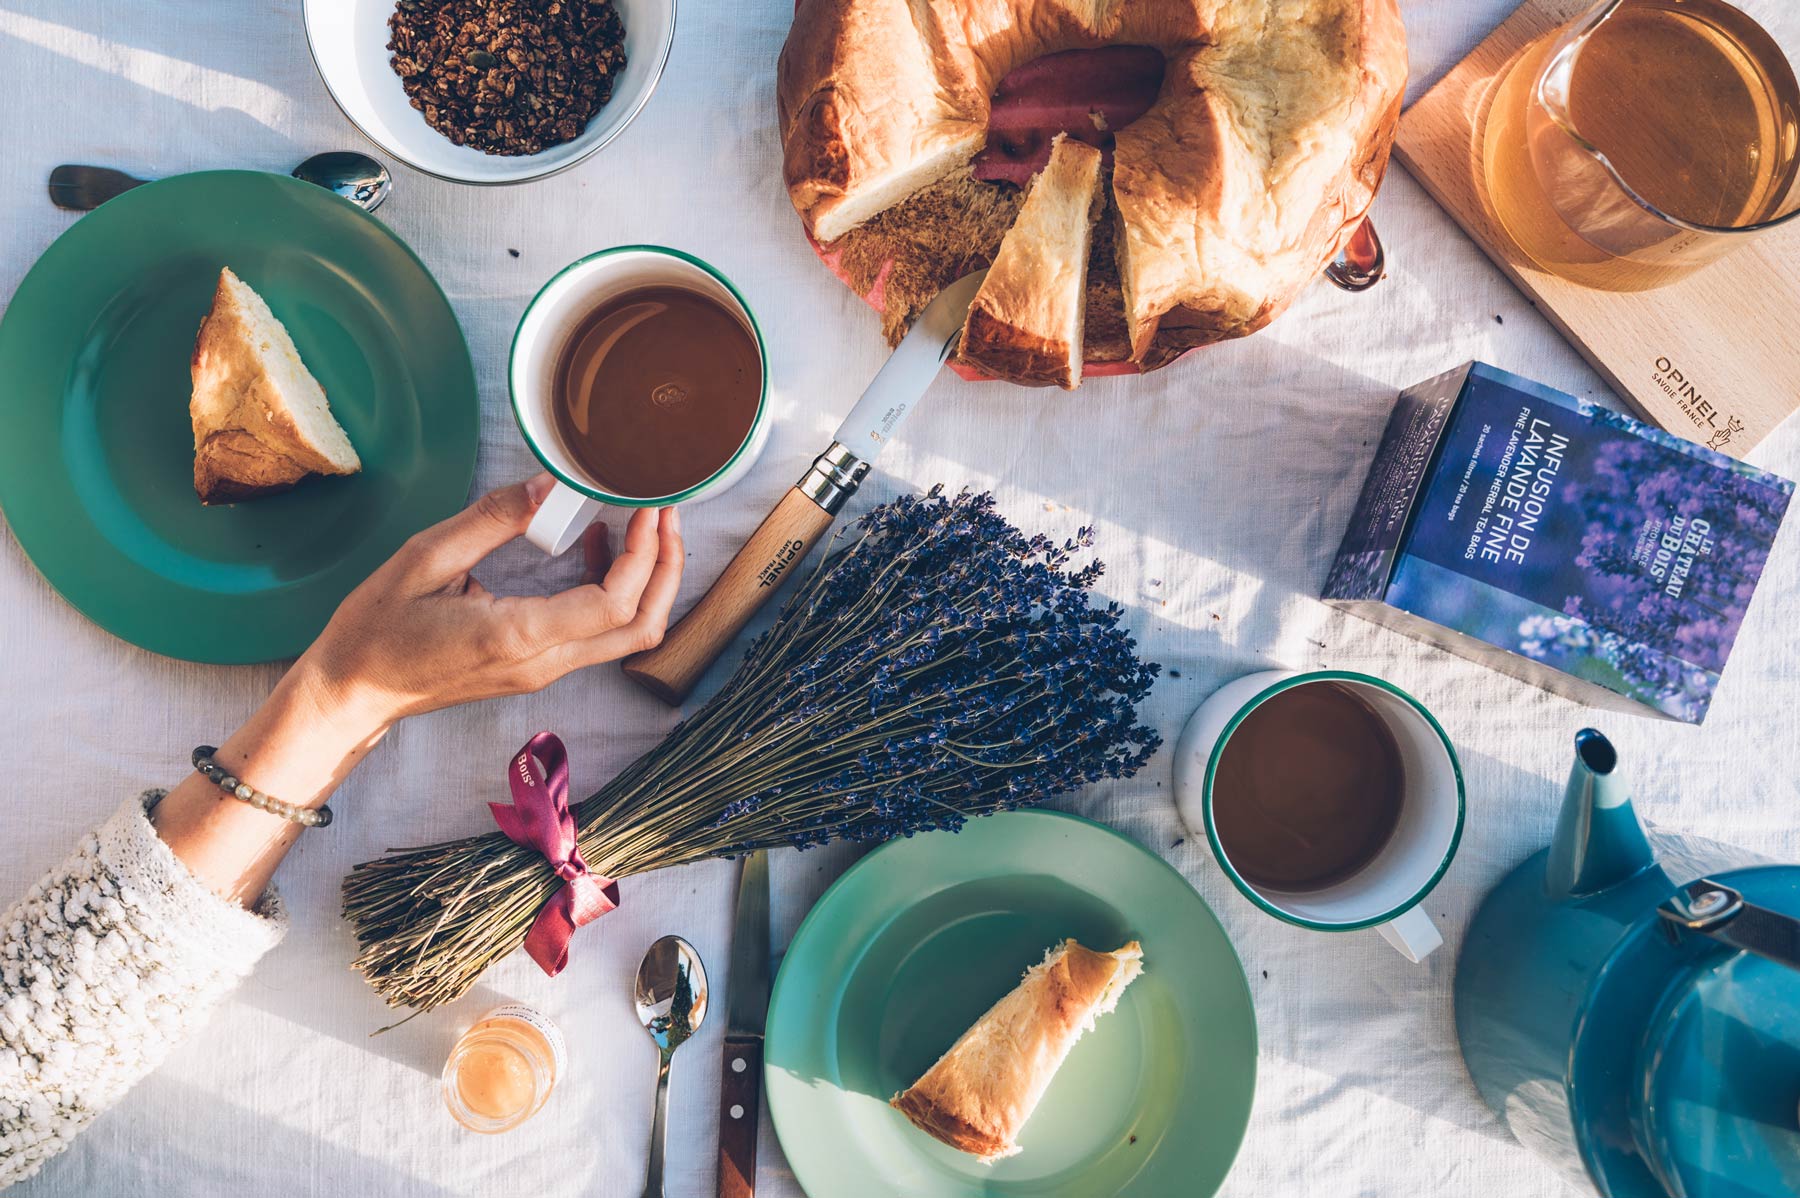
column 1648, row 138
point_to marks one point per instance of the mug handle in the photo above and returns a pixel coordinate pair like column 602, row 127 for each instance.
column 1412, row 934
column 560, row 521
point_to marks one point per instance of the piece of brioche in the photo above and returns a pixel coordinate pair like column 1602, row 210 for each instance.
column 1026, row 321
column 1252, row 169
column 981, row 1092
column 261, row 421
column 869, row 120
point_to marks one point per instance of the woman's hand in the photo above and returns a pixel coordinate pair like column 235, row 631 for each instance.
column 417, row 635
column 420, row 633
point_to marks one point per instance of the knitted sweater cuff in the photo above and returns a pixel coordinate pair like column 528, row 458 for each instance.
column 213, row 934
column 106, row 963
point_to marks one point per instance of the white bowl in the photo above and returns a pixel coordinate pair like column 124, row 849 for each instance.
column 349, row 38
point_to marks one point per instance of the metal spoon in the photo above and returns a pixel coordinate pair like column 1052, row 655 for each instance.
column 357, row 177
column 671, row 1001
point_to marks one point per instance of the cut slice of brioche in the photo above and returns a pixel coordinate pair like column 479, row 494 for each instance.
column 981, row 1092
column 261, row 421
column 1026, row 321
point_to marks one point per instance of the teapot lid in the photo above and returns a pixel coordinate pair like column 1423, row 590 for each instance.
column 1718, row 1112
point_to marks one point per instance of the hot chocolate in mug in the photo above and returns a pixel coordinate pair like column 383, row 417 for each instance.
column 555, row 317
column 1387, row 866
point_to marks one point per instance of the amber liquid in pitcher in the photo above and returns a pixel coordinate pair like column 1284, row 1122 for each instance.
column 1692, row 102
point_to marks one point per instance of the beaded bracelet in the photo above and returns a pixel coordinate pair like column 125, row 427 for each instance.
column 206, row 767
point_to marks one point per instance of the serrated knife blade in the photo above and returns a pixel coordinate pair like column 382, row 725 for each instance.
column 748, row 1006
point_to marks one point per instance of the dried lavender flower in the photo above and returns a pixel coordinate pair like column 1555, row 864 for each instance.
column 940, row 666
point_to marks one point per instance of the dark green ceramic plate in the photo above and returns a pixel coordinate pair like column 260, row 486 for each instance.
column 920, row 937
column 97, row 453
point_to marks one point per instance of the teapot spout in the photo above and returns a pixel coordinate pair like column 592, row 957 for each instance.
column 1599, row 840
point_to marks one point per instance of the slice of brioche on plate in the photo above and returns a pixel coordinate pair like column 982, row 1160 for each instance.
column 261, row 421
column 981, row 1092
column 1026, row 321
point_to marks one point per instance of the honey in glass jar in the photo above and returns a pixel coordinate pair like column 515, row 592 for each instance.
column 502, row 1069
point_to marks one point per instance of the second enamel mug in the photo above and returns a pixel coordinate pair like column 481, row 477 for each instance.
column 1406, row 857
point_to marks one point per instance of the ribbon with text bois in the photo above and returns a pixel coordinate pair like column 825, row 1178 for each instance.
column 539, row 818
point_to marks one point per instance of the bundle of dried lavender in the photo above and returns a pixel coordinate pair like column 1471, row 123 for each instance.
column 939, row 666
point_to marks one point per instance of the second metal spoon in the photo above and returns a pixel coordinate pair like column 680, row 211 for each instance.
column 671, row 1002
column 357, row 177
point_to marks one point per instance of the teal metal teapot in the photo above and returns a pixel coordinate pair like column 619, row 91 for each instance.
column 1629, row 1003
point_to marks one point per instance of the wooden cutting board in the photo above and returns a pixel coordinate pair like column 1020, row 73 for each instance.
column 1714, row 357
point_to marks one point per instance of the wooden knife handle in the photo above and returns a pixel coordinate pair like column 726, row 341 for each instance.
column 740, row 1103
column 779, row 543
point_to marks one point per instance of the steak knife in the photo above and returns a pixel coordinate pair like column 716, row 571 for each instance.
column 747, row 1012
column 782, row 540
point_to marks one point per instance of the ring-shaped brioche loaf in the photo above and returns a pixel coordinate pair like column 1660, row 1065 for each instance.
column 1255, row 164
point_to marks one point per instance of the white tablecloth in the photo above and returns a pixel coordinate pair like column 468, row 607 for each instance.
column 1219, row 489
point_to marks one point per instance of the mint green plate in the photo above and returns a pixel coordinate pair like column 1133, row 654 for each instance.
column 97, row 452
column 920, row 937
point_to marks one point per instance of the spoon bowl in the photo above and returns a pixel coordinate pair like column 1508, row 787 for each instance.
column 671, row 992
column 670, row 997
column 357, row 177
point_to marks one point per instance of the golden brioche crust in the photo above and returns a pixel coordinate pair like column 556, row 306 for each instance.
column 1254, row 167
column 862, row 110
column 231, row 464
column 983, row 1089
column 947, row 1127
column 1264, row 157
column 1018, row 355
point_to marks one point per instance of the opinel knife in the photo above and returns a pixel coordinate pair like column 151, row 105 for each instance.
column 670, row 670
column 747, row 1012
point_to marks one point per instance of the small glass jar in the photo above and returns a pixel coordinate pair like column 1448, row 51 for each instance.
column 502, row 1069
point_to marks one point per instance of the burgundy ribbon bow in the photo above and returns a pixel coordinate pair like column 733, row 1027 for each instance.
column 539, row 818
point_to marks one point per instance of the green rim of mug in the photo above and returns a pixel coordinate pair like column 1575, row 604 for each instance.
column 1249, row 891
column 606, row 497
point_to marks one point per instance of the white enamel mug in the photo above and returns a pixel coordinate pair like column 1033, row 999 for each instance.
column 1385, row 893
column 550, row 319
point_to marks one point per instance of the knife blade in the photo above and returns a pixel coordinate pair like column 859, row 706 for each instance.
column 782, row 540
column 903, row 378
column 748, row 1007
column 747, row 1012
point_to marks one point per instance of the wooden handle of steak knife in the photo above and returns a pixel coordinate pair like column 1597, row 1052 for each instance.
column 740, row 1103
column 779, row 543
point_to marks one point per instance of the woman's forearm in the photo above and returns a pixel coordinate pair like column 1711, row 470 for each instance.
column 298, row 747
